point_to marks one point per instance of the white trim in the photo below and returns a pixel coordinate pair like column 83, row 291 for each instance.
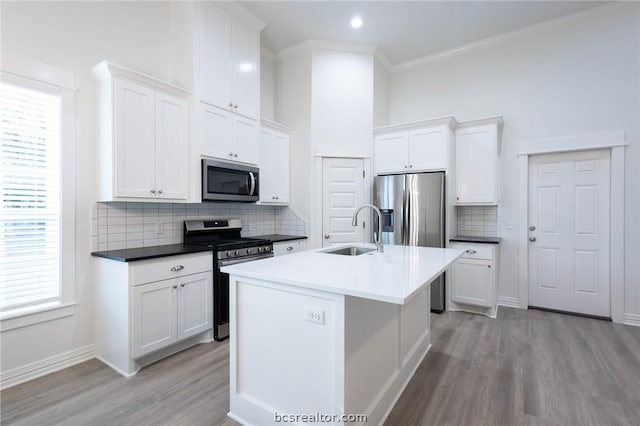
column 38, row 71
column 613, row 141
column 240, row 12
column 275, row 126
column 509, row 302
column 326, row 45
column 572, row 143
column 46, row 366
column 380, row 56
column 632, row 319
column 495, row 120
column 431, row 122
column 106, row 70
column 512, row 35
column 117, row 369
column 25, row 318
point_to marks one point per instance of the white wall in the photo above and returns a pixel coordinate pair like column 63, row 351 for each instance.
column 570, row 80
column 267, row 83
column 342, row 103
column 75, row 36
column 381, row 93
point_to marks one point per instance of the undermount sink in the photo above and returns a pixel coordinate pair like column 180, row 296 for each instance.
column 350, row 251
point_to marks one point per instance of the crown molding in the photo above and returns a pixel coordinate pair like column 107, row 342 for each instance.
column 326, row 45
column 513, row 35
column 106, row 70
column 238, row 11
column 449, row 121
column 270, row 124
column 380, row 56
column 497, row 120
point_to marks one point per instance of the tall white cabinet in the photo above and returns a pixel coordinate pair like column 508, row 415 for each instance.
column 477, row 158
column 143, row 133
column 274, row 163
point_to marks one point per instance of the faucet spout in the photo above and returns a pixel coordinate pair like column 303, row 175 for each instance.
column 377, row 237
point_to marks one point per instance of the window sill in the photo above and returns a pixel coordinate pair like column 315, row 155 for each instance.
column 37, row 315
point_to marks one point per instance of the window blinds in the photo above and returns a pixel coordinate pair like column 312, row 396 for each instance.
column 30, row 197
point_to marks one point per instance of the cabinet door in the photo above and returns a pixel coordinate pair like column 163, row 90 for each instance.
column 476, row 165
column 246, row 140
column 473, row 283
column 171, row 147
column 289, row 247
column 391, row 153
column 215, row 74
column 428, row 149
column 246, row 70
column 153, row 309
column 195, row 304
column 134, row 140
column 217, row 132
column 274, row 167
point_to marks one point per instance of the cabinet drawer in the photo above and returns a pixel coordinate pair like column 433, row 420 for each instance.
column 475, row 251
column 147, row 271
column 288, row 247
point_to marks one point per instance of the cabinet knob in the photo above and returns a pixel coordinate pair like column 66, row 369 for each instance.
column 411, row 166
column 153, row 191
column 177, row 268
column 488, row 266
column 471, row 251
column 236, row 106
column 181, row 284
column 532, row 239
column 326, row 236
column 405, row 166
column 289, row 248
column 230, row 104
column 235, row 155
column 174, row 286
column 159, row 191
column 231, row 154
column 277, row 198
column 532, row 228
column 273, row 198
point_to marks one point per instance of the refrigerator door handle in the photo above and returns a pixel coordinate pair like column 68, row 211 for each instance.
column 404, row 217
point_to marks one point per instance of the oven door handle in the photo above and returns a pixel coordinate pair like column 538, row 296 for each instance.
column 243, row 260
column 253, row 183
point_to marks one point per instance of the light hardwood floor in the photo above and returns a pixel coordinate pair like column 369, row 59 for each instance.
column 526, row 367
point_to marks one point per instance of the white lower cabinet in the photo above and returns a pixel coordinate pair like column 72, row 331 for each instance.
column 289, row 247
column 149, row 309
column 473, row 279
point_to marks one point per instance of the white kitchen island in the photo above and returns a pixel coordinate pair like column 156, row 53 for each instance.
column 325, row 334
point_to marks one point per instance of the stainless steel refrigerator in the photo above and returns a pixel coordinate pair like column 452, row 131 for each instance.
column 413, row 214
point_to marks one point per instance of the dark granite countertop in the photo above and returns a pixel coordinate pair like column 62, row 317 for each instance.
column 470, row 239
column 276, row 238
column 143, row 253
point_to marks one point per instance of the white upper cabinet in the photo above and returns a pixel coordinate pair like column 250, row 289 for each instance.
column 413, row 147
column 229, row 61
column 143, row 137
column 274, row 163
column 477, row 161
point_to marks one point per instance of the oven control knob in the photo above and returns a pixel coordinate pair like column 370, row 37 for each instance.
column 260, row 249
column 237, row 252
column 267, row 249
column 229, row 253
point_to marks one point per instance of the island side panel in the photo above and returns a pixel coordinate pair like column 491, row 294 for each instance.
column 280, row 362
column 384, row 345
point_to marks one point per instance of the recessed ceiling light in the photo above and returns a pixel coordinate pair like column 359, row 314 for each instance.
column 356, row 22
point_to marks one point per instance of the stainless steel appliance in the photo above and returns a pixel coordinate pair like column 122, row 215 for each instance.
column 413, row 214
column 223, row 236
column 222, row 181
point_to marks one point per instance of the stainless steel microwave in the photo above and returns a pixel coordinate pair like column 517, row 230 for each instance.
column 222, row 181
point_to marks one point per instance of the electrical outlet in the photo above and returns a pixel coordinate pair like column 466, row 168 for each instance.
column 315, row 315
column 508, row 224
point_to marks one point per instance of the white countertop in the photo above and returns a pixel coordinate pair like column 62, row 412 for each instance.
column 392, row 276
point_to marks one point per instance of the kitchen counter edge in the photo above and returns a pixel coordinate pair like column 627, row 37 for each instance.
column 145, row 253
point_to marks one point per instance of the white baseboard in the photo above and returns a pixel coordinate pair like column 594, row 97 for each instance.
column 46, row 366
column 632, row 319
column 509, row 302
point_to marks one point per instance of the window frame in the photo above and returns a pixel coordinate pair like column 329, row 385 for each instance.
column 43, row 77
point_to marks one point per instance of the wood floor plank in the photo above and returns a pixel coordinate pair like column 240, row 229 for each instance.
column 523, row 368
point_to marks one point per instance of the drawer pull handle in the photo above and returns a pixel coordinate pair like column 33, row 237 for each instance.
column 182, row 285
column 471, row 251
column 174, row 286
column 177, row 268
column 289, row 248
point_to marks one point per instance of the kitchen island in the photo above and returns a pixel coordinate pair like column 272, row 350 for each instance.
column 319, row 334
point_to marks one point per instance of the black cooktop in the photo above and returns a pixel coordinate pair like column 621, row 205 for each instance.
column 231, row 243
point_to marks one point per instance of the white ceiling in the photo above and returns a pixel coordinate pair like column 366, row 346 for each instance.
column 403, row 30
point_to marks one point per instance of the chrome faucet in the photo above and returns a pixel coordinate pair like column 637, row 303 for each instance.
column 377, row 238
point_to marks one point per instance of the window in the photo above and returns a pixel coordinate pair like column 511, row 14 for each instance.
column 30, row 196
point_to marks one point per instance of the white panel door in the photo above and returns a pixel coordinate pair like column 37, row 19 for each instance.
column 342, row 193
column 171, row 147
column 153, row 308
column 134, row 140
column 215, row 74
column 569, row 232
column 428, row 149
column 217, row 132
column 391, row 152
column 476, row 165
column 246, row 70
column 246, row 137
column 195, row 304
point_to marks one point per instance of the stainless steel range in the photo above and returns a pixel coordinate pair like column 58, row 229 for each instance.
column 223, row 236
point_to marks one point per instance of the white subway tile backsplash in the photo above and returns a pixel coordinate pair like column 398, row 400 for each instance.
column 477, row 221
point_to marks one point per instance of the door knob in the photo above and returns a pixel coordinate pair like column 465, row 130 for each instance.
column 532, row 228
column 326, row 236
column 532, row 239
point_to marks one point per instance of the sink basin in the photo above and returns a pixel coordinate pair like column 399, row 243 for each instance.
column 350, row 251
